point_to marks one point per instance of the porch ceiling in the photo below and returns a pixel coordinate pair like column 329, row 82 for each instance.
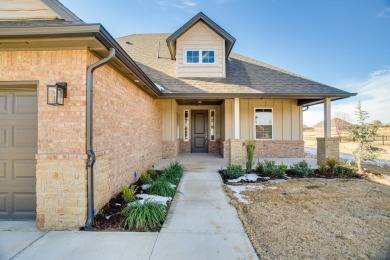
column 199, row 102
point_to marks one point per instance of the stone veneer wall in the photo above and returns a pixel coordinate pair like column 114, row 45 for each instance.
column 170, row 149
column 279, row 149
column 237, row 153
column 327, row 148
column 213, row 146
column 224, row 149
column 185, row 147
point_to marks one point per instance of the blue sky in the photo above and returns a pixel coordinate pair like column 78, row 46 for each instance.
column 341, row 43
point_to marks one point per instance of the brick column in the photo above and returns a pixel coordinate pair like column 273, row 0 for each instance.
column 237, row 152
column 327, row 148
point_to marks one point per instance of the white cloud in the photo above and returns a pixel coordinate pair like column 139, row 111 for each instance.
column 373, row 92
column 186, row 5
column 385, row 13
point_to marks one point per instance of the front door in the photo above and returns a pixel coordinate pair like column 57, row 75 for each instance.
column 199, row 131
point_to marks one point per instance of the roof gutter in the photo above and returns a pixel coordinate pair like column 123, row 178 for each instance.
column 89, row 145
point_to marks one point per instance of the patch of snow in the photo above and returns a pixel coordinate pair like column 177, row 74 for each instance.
column 347, row 156
column 145, row 186
column 242, row 198
column 153, row 198
column 247, row 177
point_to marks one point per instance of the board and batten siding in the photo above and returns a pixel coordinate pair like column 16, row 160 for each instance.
column 287, row 118
column 169, row 119
column 200, row 37
column 18, row 10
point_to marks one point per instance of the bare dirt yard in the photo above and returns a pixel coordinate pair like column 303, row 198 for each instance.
column 318, row 219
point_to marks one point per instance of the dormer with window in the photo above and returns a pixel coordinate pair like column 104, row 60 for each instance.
column 200, row 49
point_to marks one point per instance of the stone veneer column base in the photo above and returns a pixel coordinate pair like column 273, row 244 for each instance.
column 61, row 192
column 327, row 148
column 237, row 153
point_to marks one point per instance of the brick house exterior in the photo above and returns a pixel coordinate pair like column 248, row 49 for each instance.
column 144, row 108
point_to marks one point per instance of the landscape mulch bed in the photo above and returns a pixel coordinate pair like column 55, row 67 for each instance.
column 289, row 175
column 109, row 218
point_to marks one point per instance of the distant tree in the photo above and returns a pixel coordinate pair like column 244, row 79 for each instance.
column 363, row 133
column 376, row 122
column 341, row 123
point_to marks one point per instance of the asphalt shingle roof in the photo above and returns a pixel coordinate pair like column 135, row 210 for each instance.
column 243, row 74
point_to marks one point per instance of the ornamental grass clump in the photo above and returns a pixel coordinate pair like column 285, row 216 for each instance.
column 162, row 187
column 173, row 173
column 233, row 171
column 250, row 150
column 145, row 178
column 147, row 216
column 128, row 193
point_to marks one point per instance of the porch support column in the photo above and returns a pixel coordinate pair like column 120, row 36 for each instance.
column 327, row 118
column 236, row 118
column 327, row 147
column 237, row 147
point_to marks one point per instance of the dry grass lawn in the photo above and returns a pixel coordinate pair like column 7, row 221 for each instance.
column 318, row 219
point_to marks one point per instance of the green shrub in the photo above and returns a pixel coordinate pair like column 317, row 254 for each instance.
column 128, row 193
column 332, row 163
column 153, row 174
column 279, row 171
column 233, row 171
column 250, row 150
column 301, row 169
column 173, row 172
column 145, row 178
column 161, row 187
column 260, row 167
column 269, row 166
column 344, row 172
column 323, row 168
column 147, row 216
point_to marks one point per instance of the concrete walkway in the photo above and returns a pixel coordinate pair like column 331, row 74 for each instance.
column 201, row 225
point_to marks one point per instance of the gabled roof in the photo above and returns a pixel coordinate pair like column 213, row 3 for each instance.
column 245, row 77
column 171, row 40
column 36, row 10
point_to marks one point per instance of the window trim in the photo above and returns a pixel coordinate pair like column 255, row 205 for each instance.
column 214, row 124
column 254, row 123
column 200, row 57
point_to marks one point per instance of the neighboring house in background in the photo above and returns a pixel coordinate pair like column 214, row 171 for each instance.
column 158, row 95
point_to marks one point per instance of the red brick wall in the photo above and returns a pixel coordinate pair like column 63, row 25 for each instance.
column 279, row 149
column 127, row 127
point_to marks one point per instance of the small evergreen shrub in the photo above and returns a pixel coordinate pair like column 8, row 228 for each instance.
column 341, row 171
column 269, row 166
column 279, row 171
column 301, row 169
column 323, row 168
column 145, row 178
column 260, row 167
column 332, row 163
column 162, row 187
column 147, row 216
column 233, row 171
column 128, row 193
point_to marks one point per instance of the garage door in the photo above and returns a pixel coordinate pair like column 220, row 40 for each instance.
column 18, row 146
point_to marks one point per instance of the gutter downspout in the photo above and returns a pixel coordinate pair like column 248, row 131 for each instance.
column 89, row 144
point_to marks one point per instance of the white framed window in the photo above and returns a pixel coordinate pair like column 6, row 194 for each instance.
column 200, row 57
column 212, row 124
column 263, row 124
column 186, row 125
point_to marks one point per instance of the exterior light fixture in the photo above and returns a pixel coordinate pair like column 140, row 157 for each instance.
column 56, row 94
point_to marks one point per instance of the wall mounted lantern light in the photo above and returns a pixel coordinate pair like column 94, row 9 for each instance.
column 56, row 94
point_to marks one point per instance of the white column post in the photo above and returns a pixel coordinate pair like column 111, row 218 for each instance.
column 236, row 118
column 327, row 118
